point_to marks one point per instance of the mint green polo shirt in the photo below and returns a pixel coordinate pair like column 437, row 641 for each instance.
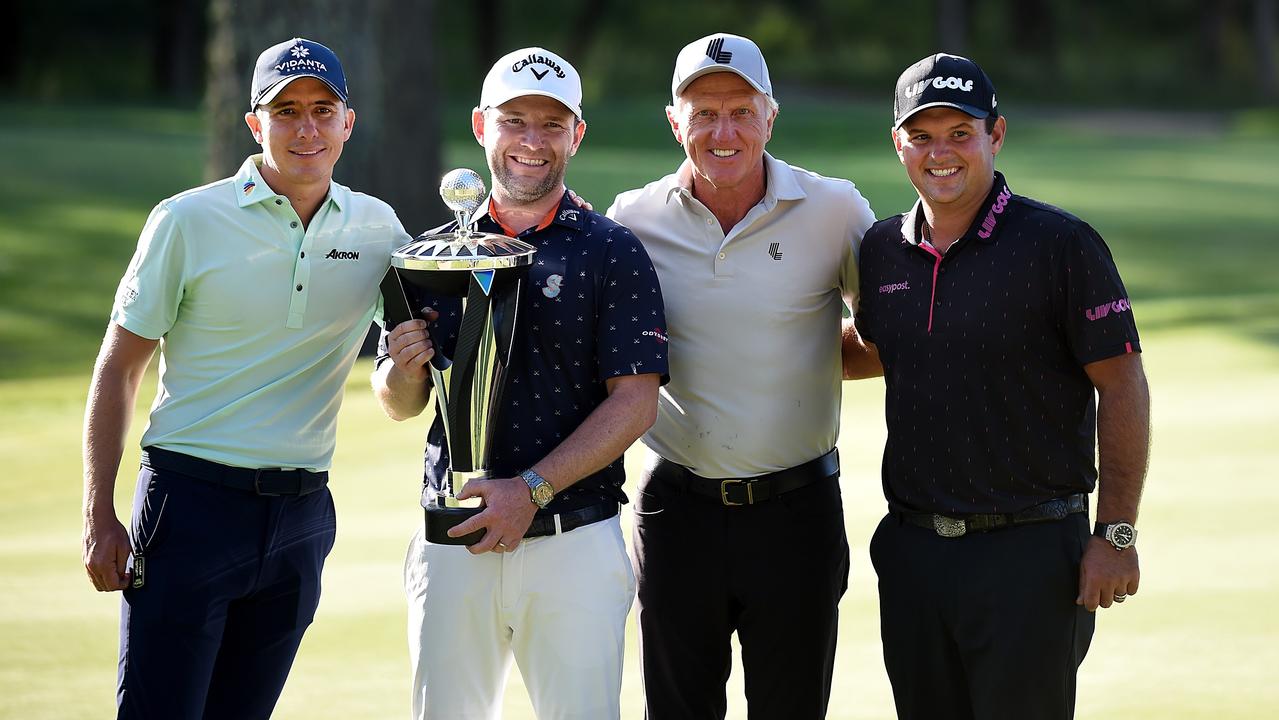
column 259, row 318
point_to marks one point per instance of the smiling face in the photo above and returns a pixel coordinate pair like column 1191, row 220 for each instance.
column 301, row 132
column 723, row 124
column 950, row 158
column 528, row 141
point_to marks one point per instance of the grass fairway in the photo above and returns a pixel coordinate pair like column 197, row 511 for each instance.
column 1190, row 217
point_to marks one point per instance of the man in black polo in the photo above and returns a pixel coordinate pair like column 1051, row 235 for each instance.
column 997, row 318
column 550, row 583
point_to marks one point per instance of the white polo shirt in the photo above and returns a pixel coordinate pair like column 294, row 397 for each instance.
column 259, row 318
column 753, row 318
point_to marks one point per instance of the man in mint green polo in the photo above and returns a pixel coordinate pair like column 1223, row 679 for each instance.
column 258, row 289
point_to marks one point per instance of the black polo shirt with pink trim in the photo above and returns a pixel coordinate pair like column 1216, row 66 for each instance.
column 988, row 407
column 592, row 310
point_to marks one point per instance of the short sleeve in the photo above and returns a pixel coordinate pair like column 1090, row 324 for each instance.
column 631, row 327
column 864, row 313
column 861, row 217
column 1099, row 321
column 147, row 299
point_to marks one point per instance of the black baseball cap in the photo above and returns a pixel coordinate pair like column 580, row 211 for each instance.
column 281, row 64
column 943, row 80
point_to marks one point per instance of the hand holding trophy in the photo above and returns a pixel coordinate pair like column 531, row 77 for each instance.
column 488, row 272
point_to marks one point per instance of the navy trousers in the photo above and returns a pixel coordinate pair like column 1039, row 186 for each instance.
column 772, row 572
column 231, row 582
column 984, row 625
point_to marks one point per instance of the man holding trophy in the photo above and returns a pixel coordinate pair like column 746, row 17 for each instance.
column 552, row 362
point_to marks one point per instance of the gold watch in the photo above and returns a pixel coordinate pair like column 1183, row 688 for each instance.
column 540, row 491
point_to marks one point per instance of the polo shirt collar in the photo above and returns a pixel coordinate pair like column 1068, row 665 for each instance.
column 567, row 214
column 779, row 182
column 986, row 224
column 251, row 189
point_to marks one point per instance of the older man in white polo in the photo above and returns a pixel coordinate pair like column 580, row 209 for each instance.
column 739, row 525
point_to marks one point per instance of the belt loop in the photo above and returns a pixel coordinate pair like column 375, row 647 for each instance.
column 559, row 529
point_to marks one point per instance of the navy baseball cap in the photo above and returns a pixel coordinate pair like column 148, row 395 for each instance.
column 943, row 80
column 281, row 64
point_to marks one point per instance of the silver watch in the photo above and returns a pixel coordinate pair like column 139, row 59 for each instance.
column 1120, row 535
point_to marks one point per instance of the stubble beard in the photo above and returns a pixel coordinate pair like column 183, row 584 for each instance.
column 522, row 189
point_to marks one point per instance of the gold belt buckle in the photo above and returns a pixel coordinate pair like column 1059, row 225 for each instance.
column 723, row 492
column 949, row 527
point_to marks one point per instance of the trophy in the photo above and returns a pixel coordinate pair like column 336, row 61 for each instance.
column 488, row 272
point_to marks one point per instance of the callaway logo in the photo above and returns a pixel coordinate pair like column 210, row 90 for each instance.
column 553, row 284
column 300, row 51
column 532, row 60
column 336, row 254
column 940, row 83
column 570, row 215
column 775, row 250
column 716, row 52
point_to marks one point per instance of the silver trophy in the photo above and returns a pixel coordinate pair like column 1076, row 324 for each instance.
column 488, row 272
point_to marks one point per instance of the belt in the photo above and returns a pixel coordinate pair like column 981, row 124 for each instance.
column 266, row 481
column 754, row 490
column 438, row 524
column 950, row 527
column 544, row 525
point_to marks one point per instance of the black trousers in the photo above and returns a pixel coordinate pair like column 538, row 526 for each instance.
column 232, row 583
column 772, row 572
column 982, row 626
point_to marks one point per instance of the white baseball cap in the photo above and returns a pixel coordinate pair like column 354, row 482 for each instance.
column 721, row 52
column 532, row 71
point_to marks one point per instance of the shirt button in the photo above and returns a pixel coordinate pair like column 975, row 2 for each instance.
column 299, row 287
column 722, row 256
column 709, row 221
column 279, row 202
column 293, row 224
column 303, row 255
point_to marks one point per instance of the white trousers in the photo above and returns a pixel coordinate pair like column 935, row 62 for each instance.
column 557, row 605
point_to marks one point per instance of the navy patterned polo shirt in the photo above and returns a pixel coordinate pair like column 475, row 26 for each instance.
column 988, row 407
column 591, row 311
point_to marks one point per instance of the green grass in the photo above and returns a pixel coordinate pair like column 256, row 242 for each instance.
column 1190, row 217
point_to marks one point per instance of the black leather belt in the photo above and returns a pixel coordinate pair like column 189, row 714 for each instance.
column 948, row 526
column 266, row 481
column 437, row 527
column 754, row 490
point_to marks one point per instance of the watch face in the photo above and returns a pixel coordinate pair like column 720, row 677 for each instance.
column 542, row 494
column 1122, row 535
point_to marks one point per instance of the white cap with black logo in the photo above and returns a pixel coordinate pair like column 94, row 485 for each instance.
column 721, row 52
column 532, row 71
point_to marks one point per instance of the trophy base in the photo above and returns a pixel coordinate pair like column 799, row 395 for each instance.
column 440, row 519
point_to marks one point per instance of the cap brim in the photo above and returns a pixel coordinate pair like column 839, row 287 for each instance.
column 503, row 99
column 969, row 109
column 270, row 93
column 716, row 69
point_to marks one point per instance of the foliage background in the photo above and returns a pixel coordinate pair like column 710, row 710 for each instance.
column 1156, row 124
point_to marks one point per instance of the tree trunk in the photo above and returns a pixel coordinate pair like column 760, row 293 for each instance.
column 950, row 26
column 387, row 52
column 1034, row 33
column 1264, row 40
column 177, row 59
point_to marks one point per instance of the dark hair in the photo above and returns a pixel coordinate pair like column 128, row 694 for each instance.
column 990, row 122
